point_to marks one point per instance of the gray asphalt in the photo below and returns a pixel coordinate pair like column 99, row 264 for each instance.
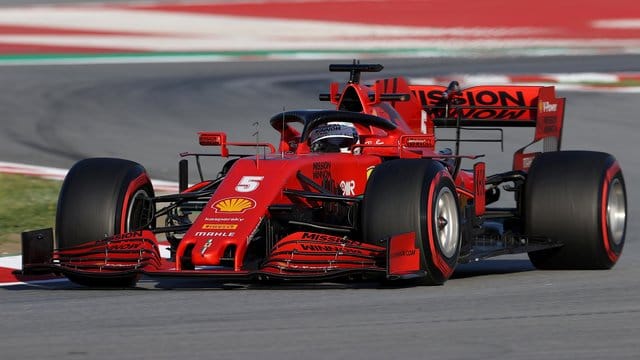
column 501, row 309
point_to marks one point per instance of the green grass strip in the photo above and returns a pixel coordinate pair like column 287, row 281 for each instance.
column 259, row 53
column 26, row 203
column 159, row 56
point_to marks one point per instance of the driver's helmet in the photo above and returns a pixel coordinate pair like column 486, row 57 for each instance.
column 333, row 137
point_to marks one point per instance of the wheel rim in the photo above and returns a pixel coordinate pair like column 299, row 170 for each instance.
column 446, row 220
column 139, row 212
column 616, row 211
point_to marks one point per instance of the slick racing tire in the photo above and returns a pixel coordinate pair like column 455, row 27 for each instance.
column 102, row 197
column 577, row 198
column 415, row 195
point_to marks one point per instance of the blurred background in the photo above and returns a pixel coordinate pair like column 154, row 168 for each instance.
column 139, row 79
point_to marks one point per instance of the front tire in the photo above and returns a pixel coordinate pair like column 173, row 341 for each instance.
column 579, row 199
column 102, row 197
column 415, row 195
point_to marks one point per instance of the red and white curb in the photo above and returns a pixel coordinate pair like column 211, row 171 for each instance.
column 292, row 28
column 8, row 264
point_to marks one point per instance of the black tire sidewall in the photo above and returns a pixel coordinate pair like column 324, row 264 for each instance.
column 94, row 197
column 398, row 199
column 565, row 200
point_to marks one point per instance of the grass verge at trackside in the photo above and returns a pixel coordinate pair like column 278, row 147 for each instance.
column 296, row 54
column 26, row 203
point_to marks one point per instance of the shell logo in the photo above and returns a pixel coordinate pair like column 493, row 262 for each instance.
column 234, row 205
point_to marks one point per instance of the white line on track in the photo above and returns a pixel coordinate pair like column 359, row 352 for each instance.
column 617, row 24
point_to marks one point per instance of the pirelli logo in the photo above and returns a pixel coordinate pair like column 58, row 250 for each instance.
column 219, row 226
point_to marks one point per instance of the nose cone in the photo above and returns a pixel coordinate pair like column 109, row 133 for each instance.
column 209, row 250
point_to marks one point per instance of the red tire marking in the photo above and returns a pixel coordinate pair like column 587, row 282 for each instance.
column 437, row 258
column 133, row 186
column 611, row 172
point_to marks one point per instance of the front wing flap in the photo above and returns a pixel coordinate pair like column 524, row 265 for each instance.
column 299, row 257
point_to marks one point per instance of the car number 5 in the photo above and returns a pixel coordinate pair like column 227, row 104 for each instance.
column 249, row 183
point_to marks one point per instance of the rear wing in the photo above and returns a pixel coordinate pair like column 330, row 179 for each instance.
column 502, row 106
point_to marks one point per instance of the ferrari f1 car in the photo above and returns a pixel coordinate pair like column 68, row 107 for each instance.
column 361, row 192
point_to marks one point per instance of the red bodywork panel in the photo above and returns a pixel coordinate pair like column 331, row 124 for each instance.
column 242, row 200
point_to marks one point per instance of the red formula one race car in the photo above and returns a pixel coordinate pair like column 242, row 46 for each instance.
column 356, row 193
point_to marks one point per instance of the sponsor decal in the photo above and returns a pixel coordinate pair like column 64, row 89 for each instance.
column 321, row 237
column 206, row 246
column 219, row 226
column 348, row 187
column 403, row 256
column 226, row 219
column 249, row 183
column 321, row 170
column 546, row 106
column 329, row 248
column 125, row 246
column 409, row 252
column 129, row 235
column 214, row 234
column 342, row 241
column 234, row 205
column 472, row 98
column 330, row 130
column 479, row 98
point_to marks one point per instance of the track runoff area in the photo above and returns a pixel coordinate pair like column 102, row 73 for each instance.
column 164, row 31
column 203, row 31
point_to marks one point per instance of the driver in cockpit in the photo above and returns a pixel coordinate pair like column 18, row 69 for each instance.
column 333, row 137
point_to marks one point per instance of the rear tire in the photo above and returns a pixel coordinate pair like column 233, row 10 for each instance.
column 415, row 195
column 102, row 197
column 579, row 199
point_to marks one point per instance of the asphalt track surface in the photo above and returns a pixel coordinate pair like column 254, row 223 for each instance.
column 499, row 309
